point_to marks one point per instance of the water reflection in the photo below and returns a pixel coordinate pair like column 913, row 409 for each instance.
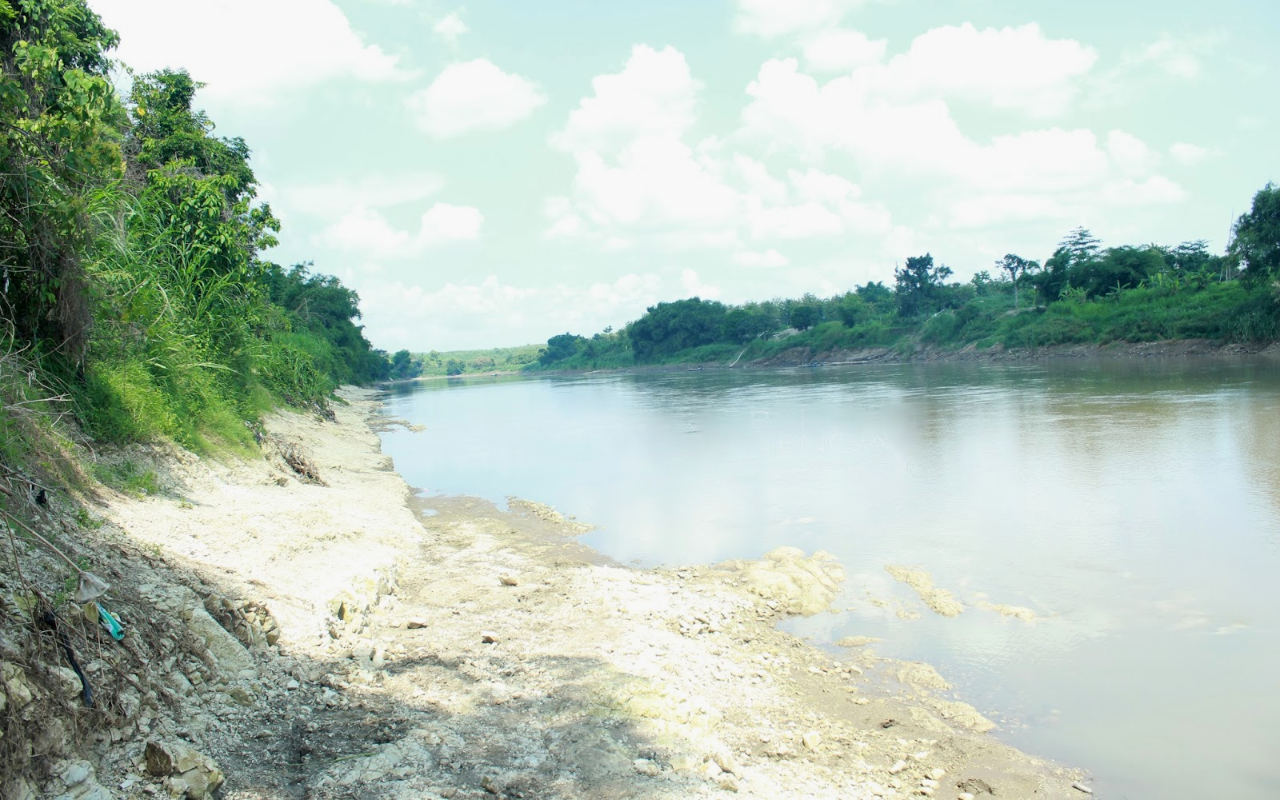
column 1134, row 507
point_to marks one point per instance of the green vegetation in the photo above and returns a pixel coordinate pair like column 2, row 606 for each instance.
column 462, row 362
column 134, row 293
column 1083, row 293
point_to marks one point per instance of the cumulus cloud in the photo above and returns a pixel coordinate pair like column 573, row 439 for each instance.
column 473, row 96
column 331, row 198
column 1011, row 67
column 767, row 259
column 1188, row 154
column 639, row 173
column 842, row 49
column 770, row 18
column 462, row 315
column 653, row 97
column 450, row 27
column 279, row 46
column 366, row 231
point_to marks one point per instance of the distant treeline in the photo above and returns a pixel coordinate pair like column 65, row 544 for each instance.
column 133, row 291
column 1083, row 293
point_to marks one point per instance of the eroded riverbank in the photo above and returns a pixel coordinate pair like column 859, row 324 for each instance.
column 471, row 652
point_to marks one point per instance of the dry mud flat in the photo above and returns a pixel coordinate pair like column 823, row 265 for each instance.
column 471, row 652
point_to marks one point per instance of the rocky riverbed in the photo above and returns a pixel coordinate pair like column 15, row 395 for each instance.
column 300, row 625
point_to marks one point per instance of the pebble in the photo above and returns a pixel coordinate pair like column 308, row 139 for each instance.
column 898, row 766
column 811, row 740
column 965, row 796
column 509, row 580
column 936, row 773
column 292, row 684
column 1081, row 787
column 727, row 781
column 488, row 637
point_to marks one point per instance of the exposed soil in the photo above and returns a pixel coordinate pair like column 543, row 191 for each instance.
column 341, row 638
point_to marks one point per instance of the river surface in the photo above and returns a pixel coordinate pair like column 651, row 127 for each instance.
column 1134, row 506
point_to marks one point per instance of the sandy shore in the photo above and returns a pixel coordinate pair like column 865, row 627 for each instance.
column 392, row 647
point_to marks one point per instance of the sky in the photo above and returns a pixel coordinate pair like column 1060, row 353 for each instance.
column 487, row 173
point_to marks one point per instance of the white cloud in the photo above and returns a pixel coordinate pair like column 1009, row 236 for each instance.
column 654, row 96
column 770, row 18
column 767, row 259
column 694, row 286
column 366, row 231
column 474, row 96
column 842, row 49
column 334, row 197
column 1129, row 153
column 246, row 51
column 1017, row 68
column 463, row 315
column 1188, row 154
column 1008, row 177
column 638, row 176
column 1177, row 57
column 450, row 27
column 1155, row 190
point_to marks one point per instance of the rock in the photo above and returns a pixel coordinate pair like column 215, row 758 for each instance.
column 811, row 740
column 415, row 624
column 74, row 773
column 509, row 580
column 292, row 685
column 856, row 641
column 68, row 683
column 727, row 781
column 646, row 767
column 725, row 761
column 898, row 766
column 936, row 773
column 488, row 637
column 966, row 796
column 19, row 692
column 188, row 773
column 789, row 581
column 186, row 606
column 1078, row 786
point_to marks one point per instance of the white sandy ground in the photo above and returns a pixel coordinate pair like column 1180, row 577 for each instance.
column 470, row 652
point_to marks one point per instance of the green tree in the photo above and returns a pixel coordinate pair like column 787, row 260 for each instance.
column 454, row 367
column 1017, row 267
column 1255, row 240
column 920, row 286
column 671, row 327
column 59, row 145
column 561, row 347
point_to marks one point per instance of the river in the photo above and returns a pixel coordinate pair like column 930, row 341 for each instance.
column 1133, row 506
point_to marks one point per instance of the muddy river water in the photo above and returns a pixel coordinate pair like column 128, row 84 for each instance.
column 1132, row 506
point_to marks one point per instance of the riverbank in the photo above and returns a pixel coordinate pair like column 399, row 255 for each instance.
column 294, row 621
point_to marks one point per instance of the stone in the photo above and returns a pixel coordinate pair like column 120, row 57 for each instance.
column 74, row 773
column 727, row 781
column 812, row 740
column 19, row 692
column 509, row 580
column 725, row 761
column 936, row 773
column 646, row 767
column 488, row 637
column 186, row 606
column 898, row 766
column 187, row 772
